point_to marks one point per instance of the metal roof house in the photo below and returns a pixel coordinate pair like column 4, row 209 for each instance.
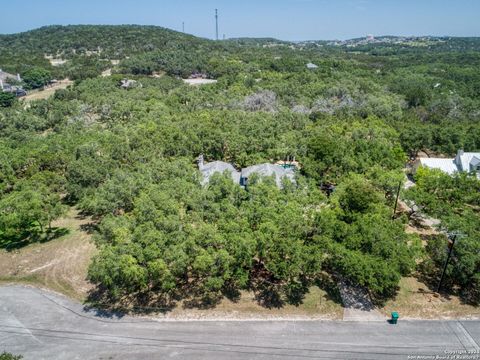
column 311, row 66
column 464, row 161
column 241, row 177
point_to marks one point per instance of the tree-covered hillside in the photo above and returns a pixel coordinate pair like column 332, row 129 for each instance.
column 87, row 48
column 127, row 156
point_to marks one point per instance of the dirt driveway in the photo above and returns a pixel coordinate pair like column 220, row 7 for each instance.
column 47, row 92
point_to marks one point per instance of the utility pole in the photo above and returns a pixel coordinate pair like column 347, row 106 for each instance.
column 183, row 26
column 396, row 199
column 451, row 237
column 216, row 24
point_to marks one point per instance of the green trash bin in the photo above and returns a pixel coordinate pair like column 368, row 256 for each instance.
column 394, row 317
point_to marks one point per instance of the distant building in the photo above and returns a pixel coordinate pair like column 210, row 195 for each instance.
column 6, row 77
column 311, row 66
column 279, row 172
column 198, row 75
column 5, row 86
column 130, row 84
column 463, row 162
column 370, row 37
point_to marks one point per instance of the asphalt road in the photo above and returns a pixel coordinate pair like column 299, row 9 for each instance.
column 42, row 325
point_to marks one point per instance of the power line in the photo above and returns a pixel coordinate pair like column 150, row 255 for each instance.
column 452, row 237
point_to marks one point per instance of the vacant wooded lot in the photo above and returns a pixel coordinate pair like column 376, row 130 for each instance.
column 303, row 147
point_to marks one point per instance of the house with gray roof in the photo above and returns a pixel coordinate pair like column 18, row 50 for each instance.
column 277, row 171
column 463, row 162
column 208, row 169
column 241, row 177
column 130, row 84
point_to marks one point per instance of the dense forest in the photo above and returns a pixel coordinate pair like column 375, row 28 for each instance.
column 127, row 157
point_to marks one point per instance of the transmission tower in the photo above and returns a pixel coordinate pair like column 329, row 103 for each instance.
column 216, row 24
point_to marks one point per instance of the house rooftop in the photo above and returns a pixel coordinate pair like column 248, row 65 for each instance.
column 446, row 165
column 208, row 169
column 241, row 177
column 464, row 161
column 267, row 169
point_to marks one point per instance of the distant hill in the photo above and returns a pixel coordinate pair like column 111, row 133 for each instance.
column 85, row 51
column 110, row 40
column 257, row 41
column 390, row 44
column 88, row 49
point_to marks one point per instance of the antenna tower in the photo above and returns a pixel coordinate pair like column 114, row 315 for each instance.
column 216, row 24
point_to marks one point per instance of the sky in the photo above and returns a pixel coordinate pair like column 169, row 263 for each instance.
column 281, row 19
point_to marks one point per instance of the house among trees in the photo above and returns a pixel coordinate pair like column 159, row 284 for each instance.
column 5, row 77
column 463, row 162
column 208, row 169
column 279, row 172
column 5, row 86
column 130, row 84
column 311, row 66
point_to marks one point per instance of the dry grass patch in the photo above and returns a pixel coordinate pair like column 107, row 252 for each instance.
column 47, row 92
column 315, row 306
column 60, row 264
column 416, row 300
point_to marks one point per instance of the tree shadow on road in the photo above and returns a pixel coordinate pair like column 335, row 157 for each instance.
column 105, row 305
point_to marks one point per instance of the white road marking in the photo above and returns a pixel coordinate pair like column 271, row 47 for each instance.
column 464, row 337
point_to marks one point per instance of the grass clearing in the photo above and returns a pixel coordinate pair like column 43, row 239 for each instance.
column 416, row 300
column 60, row 264
column 47, row 92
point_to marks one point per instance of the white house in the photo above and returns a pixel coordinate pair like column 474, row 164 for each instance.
column 5, row 77
column 464, row 161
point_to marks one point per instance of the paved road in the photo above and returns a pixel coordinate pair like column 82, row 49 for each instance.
column 41, row 325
